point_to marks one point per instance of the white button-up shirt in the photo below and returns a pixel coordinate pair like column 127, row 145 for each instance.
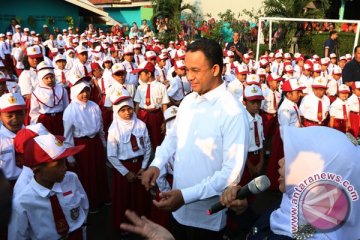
column 28, row 81
column 267, row 104
column 130, row 77
column 117, row 87
column 176, row 89
column 289, row 114
column 7, row 154
column 252, row 144
column 118, row 151
column 32, row 216
column 309, row 107
column 210, row 144
column 158, row 95
column 336, row 109
column 236, row 88
column 354, row 104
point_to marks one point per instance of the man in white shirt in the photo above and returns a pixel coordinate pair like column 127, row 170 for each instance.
column 209, row 141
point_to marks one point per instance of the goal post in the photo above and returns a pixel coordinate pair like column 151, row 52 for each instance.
column 271, row 19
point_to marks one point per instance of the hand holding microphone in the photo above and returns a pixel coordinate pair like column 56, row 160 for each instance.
column 256, row 186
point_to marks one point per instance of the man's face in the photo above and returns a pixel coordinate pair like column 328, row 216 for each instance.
column 236, row 37
column 357, row 55
column 334, row 36
column 201, row 75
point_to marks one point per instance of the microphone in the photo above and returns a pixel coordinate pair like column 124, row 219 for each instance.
column 255, row 186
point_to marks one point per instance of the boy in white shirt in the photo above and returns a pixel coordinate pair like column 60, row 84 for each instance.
column 339, row 110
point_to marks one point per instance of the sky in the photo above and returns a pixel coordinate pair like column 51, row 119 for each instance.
column 214, row 7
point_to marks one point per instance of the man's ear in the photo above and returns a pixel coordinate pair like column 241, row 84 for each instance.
column 216, row 70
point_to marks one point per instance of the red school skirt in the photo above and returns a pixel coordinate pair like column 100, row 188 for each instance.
column 277, row 152
column 153, row 120
column 127, row 195
column 53, row 122
column 340, row 124
column 355, row 123
column 269, row 124
column 91, row 169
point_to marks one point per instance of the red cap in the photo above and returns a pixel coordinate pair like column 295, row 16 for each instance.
column 291, row 85
column 274, row 77
column 47, row 148
column 94, row 66
column 144, row 66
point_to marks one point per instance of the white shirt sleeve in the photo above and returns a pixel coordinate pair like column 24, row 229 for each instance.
column 19, row 218
column 147, row 150
column 34, row 109
column 112, row 153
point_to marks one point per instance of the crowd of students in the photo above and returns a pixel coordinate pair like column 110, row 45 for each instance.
column 82, row 102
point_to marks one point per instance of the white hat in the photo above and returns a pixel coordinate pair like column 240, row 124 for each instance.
column 337, row 70
column 278, row 55
column 261, row 72
column 287, row 56
column 319, row 82
column 45, row 26
column 289, row 68
column 11, row 102
column 332, row 55
column 356, row 85
column 2, row 35
column 342, row 58
column 32, row 32
column 17, row 26
column 170, row 113
column 26, row 29
column 137, row 46
column 348, row 56
column 165, row 51
column 246, row 56
column 180, row 54
column 59, row 57
column 325, row 61
column 291, row 84
column 128, row 50
column 118, row 67
column 121, row 98
column 307, row 67
column 150, row 55
column 76, row 77
column 263, row 62
column 252, row 79
column 316, row 67
column 229, row 54
column 253, row 92
column 241, row 69
column 344, row 89
column 10, row 33
column 274, row 77
column 43, row 69
column 34, row 51
column 316, row 57
column 162, row 56
column 54, row 50
column 80, row 49
column 179, row 64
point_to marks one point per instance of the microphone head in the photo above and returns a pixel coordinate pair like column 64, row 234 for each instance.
column 259, row 184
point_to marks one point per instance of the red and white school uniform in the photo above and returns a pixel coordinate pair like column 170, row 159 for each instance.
column 83, row 126
column 48, row 104
column 314, row 110
column 128, row 149
column 354, row 115
column 131, row 78
column 18, row 54
column 340, row 109
column 151, row 97
column 256, row 139
column 269, row 108
column 236, row 88
column 332, row 89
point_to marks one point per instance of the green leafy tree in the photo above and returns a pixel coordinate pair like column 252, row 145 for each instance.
column 171, row 9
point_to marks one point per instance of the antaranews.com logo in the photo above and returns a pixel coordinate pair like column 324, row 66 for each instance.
column 321, row 201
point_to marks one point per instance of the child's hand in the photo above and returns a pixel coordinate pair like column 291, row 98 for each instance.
column 131, row 177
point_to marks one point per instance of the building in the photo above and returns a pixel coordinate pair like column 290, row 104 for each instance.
column 126, row 11
column 54, row 13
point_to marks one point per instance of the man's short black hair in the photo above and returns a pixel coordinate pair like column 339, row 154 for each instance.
column 210, row 48
column 332, row 32
column 356, row 48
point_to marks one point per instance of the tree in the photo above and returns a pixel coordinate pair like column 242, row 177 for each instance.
column 296, row 8
column 171, row 9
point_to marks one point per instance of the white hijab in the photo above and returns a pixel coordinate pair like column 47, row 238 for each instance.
column 315, row 150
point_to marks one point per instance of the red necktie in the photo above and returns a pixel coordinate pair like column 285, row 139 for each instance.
column 147, row 98
column 138, row 60
column 62, row 226
column 163, row 72
column 256, row 132
column 86, row 71
column 297, row 114
column 132, row 68
column 63, row 79
column 274, row 99
column 345, row 112
column 319, row 113
column 134, row 145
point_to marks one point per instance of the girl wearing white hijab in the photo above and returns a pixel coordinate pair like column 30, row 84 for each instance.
column 128, row 151
column 83, row 126
column 48, row 100
column 319, row 181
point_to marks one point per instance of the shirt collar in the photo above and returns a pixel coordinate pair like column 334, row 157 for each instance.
column 43, row 191
column 251, row 118
column 7, row 132
column 213, row 94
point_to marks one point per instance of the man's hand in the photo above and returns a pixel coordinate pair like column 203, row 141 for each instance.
column 170, row 201
column 228, row 199
column 148, row 177
column 145, row 227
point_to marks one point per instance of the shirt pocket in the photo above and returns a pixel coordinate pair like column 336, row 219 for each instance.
column 72, row 207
